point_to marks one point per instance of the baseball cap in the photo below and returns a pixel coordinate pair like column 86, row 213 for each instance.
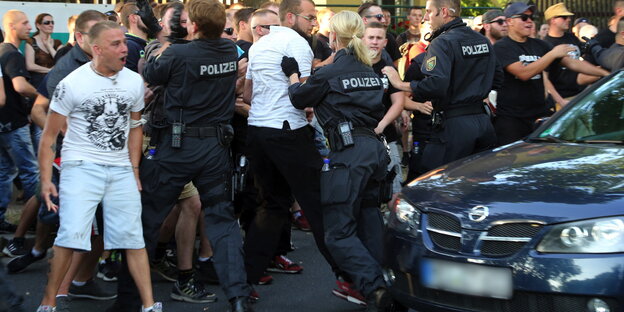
column 516, row 8
column 491, row 15
column 558, row 9
column 581, row 20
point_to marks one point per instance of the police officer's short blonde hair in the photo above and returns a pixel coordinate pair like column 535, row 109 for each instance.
column 209, row 16
column 349, row 29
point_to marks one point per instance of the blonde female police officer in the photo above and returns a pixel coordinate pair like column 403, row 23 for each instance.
column 347, row 100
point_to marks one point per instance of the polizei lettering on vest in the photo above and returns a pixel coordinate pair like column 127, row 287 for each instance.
column 365, row 82
column 217, row 69
column 475, row 49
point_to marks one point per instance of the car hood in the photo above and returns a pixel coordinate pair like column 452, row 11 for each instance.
column 544, row 182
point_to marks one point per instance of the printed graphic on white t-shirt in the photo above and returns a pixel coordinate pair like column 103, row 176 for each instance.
column 98, row 114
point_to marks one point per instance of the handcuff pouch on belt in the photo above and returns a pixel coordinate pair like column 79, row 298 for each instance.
column 225, row 134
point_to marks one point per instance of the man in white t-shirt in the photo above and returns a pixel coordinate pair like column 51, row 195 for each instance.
column 280, row 144
column 101, row 103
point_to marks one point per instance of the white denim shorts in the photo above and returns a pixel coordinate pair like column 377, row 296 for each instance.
column 82, row 187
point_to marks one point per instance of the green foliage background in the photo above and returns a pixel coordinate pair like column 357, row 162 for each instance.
column 479, row 3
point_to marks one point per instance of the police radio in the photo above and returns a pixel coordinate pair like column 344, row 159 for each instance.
column 344, row 129
column 177, row 129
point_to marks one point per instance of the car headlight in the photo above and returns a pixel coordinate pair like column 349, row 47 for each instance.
column 406, row 217
column 605, row 235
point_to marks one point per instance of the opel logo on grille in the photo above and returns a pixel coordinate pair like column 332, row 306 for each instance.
column 478, row 213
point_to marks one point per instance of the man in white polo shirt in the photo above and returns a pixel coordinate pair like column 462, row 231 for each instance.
column 280, row 143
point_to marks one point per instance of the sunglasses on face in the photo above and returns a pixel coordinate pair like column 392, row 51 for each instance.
column 228, row 31
column 309, row 18
column 48, row 23
column 379, row 17
column 523, row 17
column 267, row 27
column 564, row 17
column 498, row 21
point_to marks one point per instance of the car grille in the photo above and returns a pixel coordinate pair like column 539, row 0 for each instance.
column 521, row 301
column 445, row 231
column 499, row 241
column 506, row 239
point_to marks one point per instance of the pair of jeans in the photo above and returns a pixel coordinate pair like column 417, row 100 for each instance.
column 17, row 155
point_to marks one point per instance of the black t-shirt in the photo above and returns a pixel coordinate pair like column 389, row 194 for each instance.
column 320, row 49
column 245, row 45
column 563, row 78
column 323, row 38
column 136, row 51
column 61, row 52
column 606, row 38
column 519, row 98
column 392, row 47
column 390, row 131
column 14, row 114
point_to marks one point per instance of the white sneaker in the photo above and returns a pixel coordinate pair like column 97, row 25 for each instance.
column 157, row 307
column 47, row 308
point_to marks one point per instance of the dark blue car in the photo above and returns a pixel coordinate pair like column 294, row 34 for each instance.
column 537, row 225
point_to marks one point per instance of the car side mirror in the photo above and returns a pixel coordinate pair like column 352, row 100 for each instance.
column 539, row 122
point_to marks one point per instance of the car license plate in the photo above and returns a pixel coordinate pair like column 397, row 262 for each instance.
column 466, row 278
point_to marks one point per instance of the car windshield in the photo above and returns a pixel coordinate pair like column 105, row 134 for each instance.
column 597, row 118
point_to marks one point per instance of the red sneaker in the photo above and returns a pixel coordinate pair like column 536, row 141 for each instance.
column 346, row 291
column 254, row 296
column 300, row 222
column 265, row 280
column 281, row 264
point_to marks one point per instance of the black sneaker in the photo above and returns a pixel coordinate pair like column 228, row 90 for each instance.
column 207, row 272
column 19, row 264
column 62, row 304
column 15, row 248
column 108, row 270
column 90, row 290
column 6, row 227
column 192, row 291
column 165, row 269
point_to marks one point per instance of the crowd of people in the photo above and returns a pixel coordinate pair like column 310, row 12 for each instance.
column 157, row 126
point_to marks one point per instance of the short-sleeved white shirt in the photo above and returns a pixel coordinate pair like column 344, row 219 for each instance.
column 270, row 104
column 98, row 114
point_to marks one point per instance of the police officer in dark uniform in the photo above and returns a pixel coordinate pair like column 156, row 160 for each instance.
column 347, row 97
column 460, row 69
column 199, row 78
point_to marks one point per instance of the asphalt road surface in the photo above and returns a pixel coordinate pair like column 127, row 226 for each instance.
column 308, row 291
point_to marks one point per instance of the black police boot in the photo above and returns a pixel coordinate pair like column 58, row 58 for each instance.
column 379, row 301
column 240, row 304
